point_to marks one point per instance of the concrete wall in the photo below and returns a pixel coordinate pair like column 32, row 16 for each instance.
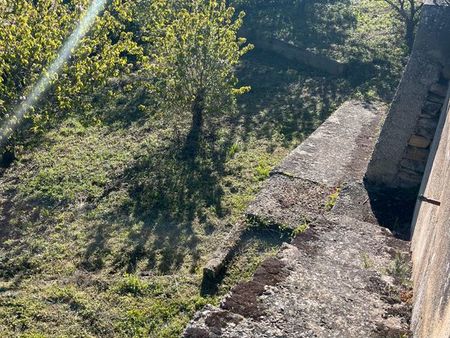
column 431, row 242
column 427, row 64
column 291, row 52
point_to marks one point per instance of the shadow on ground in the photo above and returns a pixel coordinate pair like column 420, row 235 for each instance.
column 172, row 191
column 286, row 98
column 393, row 208
column 259, row 239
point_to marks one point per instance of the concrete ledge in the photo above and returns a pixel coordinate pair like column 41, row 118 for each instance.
column 339, row 150
column 297, row 191
column 222, row 256
column 336, row 153
column 288, row 202
column 331, row 281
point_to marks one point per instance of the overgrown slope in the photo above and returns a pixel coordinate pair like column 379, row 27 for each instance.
column 105, row 227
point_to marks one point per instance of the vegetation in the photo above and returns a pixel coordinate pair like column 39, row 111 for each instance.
column 31, row 35
column 143, row 153
column 332, row 199
column 408, row 11
column 400, row 269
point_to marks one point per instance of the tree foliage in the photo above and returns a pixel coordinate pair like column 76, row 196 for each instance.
column 31, row 35
column 194, row 55
column 182, row 51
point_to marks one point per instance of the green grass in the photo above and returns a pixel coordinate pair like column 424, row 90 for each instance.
column 332, row 199
column 109, row 227
column 105, row 229
column 400, row 269
column 301, row 228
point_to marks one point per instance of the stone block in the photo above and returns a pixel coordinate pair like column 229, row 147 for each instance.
column 429, row 123
column 428, row 133
column 224, row 253
column 407, row 179
column 446, row 72
column 415, row 166
column 419, row 141
column 416, row 154
column 431, row 108
column 439, row 89
column 435, row 98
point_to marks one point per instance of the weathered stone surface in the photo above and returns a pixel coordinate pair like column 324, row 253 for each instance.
column 224, row 252
column 446, row 72
column 337, row 152
column 428, row 123
column 417, row 154
column 339, row 149
column 419, row 141
column 288, row 202
column 436, row 98
column 415, row 166
column 408, row 179
column 390, row 208
column 330, row 282
column 431, row 108
column 431, row 243
column 439, row 89
column 427, row 133
column 424, row 69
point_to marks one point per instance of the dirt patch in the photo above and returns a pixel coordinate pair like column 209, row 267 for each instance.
column 244, row 297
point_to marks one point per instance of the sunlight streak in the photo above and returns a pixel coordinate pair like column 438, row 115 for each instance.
column 53, row 70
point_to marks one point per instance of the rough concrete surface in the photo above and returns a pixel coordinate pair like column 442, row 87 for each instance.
column 427, row 63
column 330, row 282
column 431, row 243
column 338, row 151
column 288, row 202
column 337, row 279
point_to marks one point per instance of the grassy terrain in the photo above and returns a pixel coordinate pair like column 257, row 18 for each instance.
column 105, row 229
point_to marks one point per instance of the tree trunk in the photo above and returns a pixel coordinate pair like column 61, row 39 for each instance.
column 193, row 138
column 409, row 34
column 197, row 111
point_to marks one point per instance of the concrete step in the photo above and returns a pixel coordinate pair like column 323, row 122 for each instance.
column 341, row 278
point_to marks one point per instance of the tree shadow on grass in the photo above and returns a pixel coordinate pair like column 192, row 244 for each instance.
column 171, row 195
column 286, row 97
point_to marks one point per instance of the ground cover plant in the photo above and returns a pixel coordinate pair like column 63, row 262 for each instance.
column 149, row 147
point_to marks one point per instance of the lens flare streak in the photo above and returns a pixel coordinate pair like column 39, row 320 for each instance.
column 53, row 70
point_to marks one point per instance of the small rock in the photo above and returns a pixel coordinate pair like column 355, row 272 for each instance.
column 419, row 141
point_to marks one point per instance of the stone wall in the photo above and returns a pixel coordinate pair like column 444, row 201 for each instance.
column 402, row 149
column 431, row 242
column 291, row 52
column 333, row 276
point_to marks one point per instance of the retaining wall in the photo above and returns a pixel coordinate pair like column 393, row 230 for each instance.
column 425, row 78
column 431, row 242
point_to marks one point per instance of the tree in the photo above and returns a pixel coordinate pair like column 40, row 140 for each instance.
column 31, row 35
column 408, row 11
column 194, row 58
